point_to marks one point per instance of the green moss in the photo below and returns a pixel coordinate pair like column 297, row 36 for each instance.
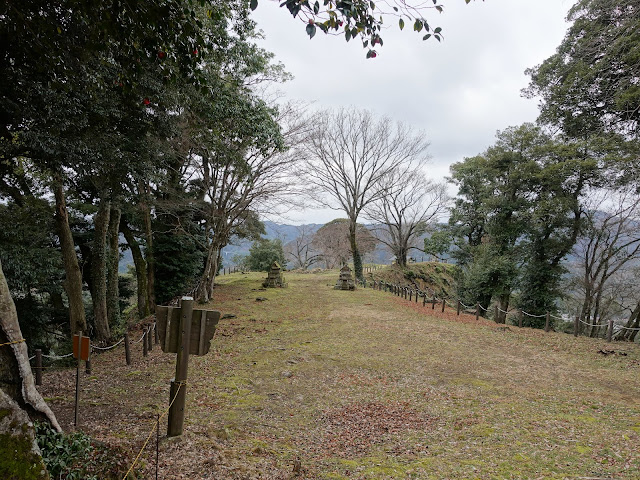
column 17, row 461
column 4, row 412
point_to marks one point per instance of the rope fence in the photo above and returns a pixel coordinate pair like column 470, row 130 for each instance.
column 147, row 340
column 414, row 293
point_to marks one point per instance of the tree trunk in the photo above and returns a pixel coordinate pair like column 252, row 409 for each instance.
column 151, row 265
column 16, row 378
column 357, row 259
column 99, row 270
column 141, row 270
column 503, row 306
column 113, row 260
column 634, row 323
column 73, row 280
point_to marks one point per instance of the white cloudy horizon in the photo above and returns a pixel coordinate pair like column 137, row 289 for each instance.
column 460, row 92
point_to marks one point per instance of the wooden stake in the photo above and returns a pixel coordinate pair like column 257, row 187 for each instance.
column 144, row 343
column 520, row 316
column 127, row 349
column 179, row 385
column 547, row 322
column 477, row 311
column 575, row 326
column 443, row 303
column 610, row 330
column 458, row 312
column 149, row 339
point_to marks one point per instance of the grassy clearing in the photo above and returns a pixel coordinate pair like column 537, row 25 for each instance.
column 327, row 384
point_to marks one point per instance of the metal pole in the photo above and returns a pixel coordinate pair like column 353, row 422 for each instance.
column 75, row 414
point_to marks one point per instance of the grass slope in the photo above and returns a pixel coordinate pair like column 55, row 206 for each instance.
column 324, row 384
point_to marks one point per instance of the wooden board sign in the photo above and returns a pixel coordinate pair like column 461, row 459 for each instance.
column 203, row 327
column 84, row 351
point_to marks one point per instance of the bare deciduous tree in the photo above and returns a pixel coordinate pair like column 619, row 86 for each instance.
column 609, row 242
column 300, row 250
column 332, row 242
column 410, row 205
column 348, row 155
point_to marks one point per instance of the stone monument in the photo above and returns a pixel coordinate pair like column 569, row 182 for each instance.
column 345, row 281
column 275, row 278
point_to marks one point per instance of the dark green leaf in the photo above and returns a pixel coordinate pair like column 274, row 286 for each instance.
column 401, row 23
column 253, row 4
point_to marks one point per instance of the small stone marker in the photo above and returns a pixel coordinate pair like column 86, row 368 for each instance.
column 345, row 281
column 275, row 278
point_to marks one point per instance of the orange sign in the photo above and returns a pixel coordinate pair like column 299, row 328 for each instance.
column 84, row 350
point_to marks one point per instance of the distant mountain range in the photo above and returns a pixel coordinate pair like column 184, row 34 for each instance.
column 286, row 233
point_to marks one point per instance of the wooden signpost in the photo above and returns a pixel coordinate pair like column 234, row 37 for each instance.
column 81, row 349
column 183, row 331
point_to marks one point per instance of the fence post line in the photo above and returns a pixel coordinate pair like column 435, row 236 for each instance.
column 87, row 363
column 610, row 330
column 127, row 349
column 443, row 304
column 156, row 337
column 416, row 296
column 546, row 323
column 495, row 313
column 38, row 366
column 424, row 299
column 433, row 303
column 410, row 295
column 575, row 326
column 477, row 311
column 149, row 339
column 144, row 344
column 520, row 316
column 458, row 312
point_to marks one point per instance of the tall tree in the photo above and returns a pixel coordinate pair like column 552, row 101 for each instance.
column 411, row 206
column 348, row 156
column 590, row 85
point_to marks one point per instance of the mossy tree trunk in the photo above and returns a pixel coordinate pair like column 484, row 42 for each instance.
column 99, row 269
column 73, row 280
column 113, row 259
column 16, row 378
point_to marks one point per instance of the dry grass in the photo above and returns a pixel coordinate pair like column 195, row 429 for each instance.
column 319, row 383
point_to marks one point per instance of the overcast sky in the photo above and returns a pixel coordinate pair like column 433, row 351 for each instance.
column 459, row 92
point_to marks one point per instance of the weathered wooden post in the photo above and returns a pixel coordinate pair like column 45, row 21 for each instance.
column 443, row 304
column 87, row 364
column 410, row 295
column 145, row 350
column 156, row 339
column 477, row 311
column 547, row 322
column 433, row 303
column 495, row 313
column 149, row 339
column 417, row 293
column 184, row 331
column 127, row 349
column 458, row 312
column 575, row 326
column 178, row 390
column 520, row 317
column 610, row 330
column 38, row 366
column 424, row 299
